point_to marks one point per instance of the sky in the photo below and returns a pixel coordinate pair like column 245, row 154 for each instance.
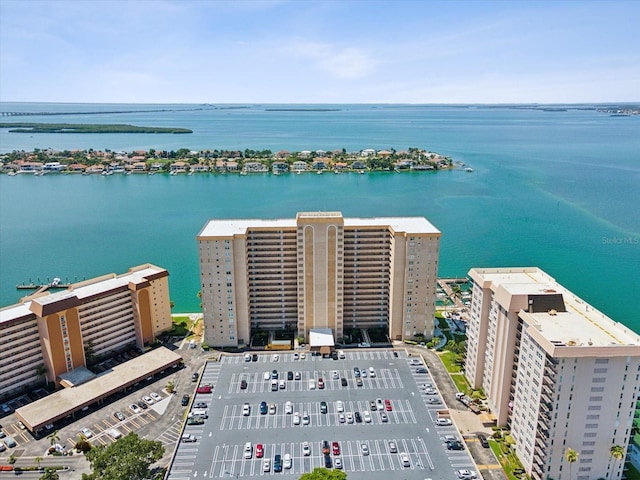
column 305, row 51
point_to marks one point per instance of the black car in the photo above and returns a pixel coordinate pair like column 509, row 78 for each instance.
column 277, row 463
column 274, row 374
column 327, row 461
column 142, row 405
column 483, row 441
column 254, row 357
column 200, row 405
column 343, row 381
column 185, row 400
column 243, row 384
column 289, row 375
column 334, row 355
column 395, row 354
column 323, row 407
column 263, row 408
column 358, row 417
column 455, row 445
column 194, row 377
column 356, row 372
column 421, row 370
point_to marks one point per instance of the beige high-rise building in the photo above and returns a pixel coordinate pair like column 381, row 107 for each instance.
column 319, row 270
column 559, row 373
column 100, row 316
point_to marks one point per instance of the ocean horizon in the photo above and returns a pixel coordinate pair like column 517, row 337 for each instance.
column 553, row 188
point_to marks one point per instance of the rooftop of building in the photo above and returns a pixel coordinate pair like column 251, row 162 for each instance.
column 230, row 227
column 574, row 323
column 80, row 291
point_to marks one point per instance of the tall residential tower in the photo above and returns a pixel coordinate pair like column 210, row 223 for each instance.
column 319, row 270
column 559, row 373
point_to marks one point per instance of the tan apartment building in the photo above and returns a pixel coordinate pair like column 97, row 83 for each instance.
column 319, row 270
column 107, row 314
column 558, row 372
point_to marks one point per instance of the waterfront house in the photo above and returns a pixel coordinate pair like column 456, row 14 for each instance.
column 305, row 154
column 255, row 167
column 403, row 165
column 77, row 168
column 367, row 152
column 200, row 168
column 139, row 167
column 358, row 165
column 384, row 153
column 155, row 167
column 282, row 154
column 318, row 165
column 299, row 166
column 53, row 167
column 179, row 167
column 95, row 169
column 29, row 167
column 341, row 165
column 279, row 167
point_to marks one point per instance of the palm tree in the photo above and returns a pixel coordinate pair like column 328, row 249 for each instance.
column 572, row 456
column 38, row 460
column 53, row 437
column 617, row 452
column 41, row 371
column 50, row 474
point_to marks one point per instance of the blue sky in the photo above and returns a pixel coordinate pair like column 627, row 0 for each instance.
column 305, row 51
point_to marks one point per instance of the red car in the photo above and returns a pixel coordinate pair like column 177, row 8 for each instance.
column 387, row 405
column 259, row 450
column 320, row 383
column 335, row 447
column 204, row 389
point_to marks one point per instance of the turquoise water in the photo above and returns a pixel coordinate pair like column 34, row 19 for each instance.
column 558, row 190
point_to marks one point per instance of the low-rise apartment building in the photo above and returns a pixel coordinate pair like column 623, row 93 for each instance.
column 49, row 334
column 319, row 270
column 558, row 372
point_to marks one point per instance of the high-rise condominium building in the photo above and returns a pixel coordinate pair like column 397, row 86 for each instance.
column 51, row 334
column 559, row 373
column 319, row 270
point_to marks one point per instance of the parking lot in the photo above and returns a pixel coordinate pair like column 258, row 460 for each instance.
column 383, row 418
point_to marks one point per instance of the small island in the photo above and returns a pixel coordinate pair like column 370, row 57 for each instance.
column 29, row 127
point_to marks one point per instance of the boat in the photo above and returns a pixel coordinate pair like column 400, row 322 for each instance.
column 319, row 172
column 12, row 173
column 243, row 173
column 468, row 169
column 361, row 172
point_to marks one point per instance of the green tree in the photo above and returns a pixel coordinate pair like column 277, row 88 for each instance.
column 170, row 386
column 12, row 459
column 53, row 437
column 128, row 458
column 320, row 473
column 41, row 371
column 617, row 452
column 38, row 459
column 571, row 456
column 50, row 474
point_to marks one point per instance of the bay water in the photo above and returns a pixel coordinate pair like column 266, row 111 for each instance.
column 554, row 189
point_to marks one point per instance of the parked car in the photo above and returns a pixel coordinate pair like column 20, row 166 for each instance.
column 188, row 437
column 335, row 448
column 465, row 474
column 325, row 447
column 337, row 463
column 287, row 462
column 306, row 449
column 86, row 432
column 393, row 448
column 323, row 407
column 288, row 407
column 119, row 415
column 246, row 410
column 10, row 442
column 343, row 382
column 185, row 400
column 243, row 384
column 364, row 448
column 148, row 400
column 483, row 440
column 421, row 370
column 155, row 396
column 248, row 450
column 142, row 405
column 266, row 465
column 206, row 388
column 194, row 377
column 387, row 405
column 263, row 408
column 277, row 463
column 134, row 408
column 259, row 450
column 443, row 422
column 455, row 445
column 306, row 419
column 404, row 458
column 114, row 433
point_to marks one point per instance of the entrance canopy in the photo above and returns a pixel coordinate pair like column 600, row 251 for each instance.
column 321, row 340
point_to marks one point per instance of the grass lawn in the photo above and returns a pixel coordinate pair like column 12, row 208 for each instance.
column 632, row 473
column 508, row 462
column 448, row 358
column 461, row 382
column 181, row 326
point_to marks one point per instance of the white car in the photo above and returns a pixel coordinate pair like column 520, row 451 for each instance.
column 305, row 418
column 134, row 408
column 113, row 433
column 306, row 449
column 404, row 458
column 379, row 404
column 297, row 376
column 335, row 375
column 296, row 418
column 246, row 410
column 248, row 450
column 364, row 448
column 288, row 407
column 272, row 409
column 148, row 400
column 303, row 356
column 341, row 418
column 312, row 384
column 384, row 417
column 266, row 465
column 87, row 433
column 349, row 417
column 267, row 376
column 155, row 396
column 296, row 356
column 337, row 463
column 275, row 358
column 443, row 422
column 465, row 474
column 339, row 406
column 367, row 416
column 287, row 462
column 341, row 355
